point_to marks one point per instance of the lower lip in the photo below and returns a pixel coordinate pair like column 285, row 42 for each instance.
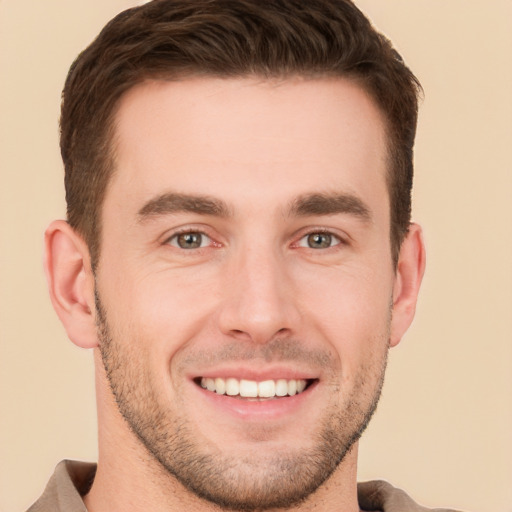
column 254, row 409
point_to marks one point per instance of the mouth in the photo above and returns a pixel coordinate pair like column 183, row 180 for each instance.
column 254, row 390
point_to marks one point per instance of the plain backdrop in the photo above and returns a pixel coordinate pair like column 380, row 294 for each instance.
column 443, row 430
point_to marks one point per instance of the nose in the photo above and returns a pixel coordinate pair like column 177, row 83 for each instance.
column 259, row 303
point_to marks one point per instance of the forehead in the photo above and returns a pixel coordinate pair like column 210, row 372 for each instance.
column 223, row 136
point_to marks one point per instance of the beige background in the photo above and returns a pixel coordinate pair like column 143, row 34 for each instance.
column 443, row 429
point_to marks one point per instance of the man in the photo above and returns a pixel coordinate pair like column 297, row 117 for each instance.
column 238, row 252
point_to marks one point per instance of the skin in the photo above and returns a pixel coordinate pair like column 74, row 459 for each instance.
column 254, row 300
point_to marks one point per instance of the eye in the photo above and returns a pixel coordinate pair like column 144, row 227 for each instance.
column 319, row 240
column 190, row 240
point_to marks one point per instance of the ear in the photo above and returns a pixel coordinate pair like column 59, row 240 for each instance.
column 409, row 273
column 71, row 282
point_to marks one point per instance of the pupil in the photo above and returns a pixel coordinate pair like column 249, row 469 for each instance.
column 189, row 240
column 319, row 240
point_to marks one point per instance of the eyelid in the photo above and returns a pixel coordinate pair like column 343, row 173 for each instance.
column 341, row 239
column 200, row 230
column 175, row 237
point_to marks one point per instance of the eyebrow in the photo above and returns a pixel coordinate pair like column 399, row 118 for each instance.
column 302, row 206
column 174, row 203
column 330, row 204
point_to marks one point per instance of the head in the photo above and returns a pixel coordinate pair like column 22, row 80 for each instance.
column 178, row 39
column 238, row 180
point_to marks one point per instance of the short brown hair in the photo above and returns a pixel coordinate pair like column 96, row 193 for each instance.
column 173, row 39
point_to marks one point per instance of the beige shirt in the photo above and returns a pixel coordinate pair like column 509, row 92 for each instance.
column 72, row 480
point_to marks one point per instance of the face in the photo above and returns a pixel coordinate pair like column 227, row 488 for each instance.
column 245, row 281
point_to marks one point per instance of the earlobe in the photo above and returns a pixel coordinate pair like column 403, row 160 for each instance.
column 71, row 282
column 409, row 274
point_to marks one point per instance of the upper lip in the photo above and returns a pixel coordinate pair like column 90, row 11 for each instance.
column 271, row 372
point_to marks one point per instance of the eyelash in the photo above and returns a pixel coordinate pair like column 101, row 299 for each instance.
column 303, row 241
column 175, row 238
column 323, row 232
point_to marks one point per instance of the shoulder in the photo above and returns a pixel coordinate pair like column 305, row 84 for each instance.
column 64, row 491
column 379, row 495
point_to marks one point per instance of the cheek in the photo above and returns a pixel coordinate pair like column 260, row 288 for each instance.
column 351, row 309
column 354, row 295
column 163, row 309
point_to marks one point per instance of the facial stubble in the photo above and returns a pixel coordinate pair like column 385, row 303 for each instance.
column 281, row 480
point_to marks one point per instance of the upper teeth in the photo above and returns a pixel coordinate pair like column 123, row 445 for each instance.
column 252, row 388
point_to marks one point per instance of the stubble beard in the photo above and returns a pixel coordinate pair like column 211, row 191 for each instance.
column 248, row 484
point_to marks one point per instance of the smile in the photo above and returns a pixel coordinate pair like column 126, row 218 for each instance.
column 254, row 389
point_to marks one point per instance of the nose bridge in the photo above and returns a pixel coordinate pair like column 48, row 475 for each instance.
column 258, row 303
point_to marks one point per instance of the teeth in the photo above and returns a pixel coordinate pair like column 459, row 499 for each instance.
column 232, row 387
column 248, row 388
column 220, row 386
column 253, row 389
column 210, row 384
column 267, row 388
column 281, row 387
